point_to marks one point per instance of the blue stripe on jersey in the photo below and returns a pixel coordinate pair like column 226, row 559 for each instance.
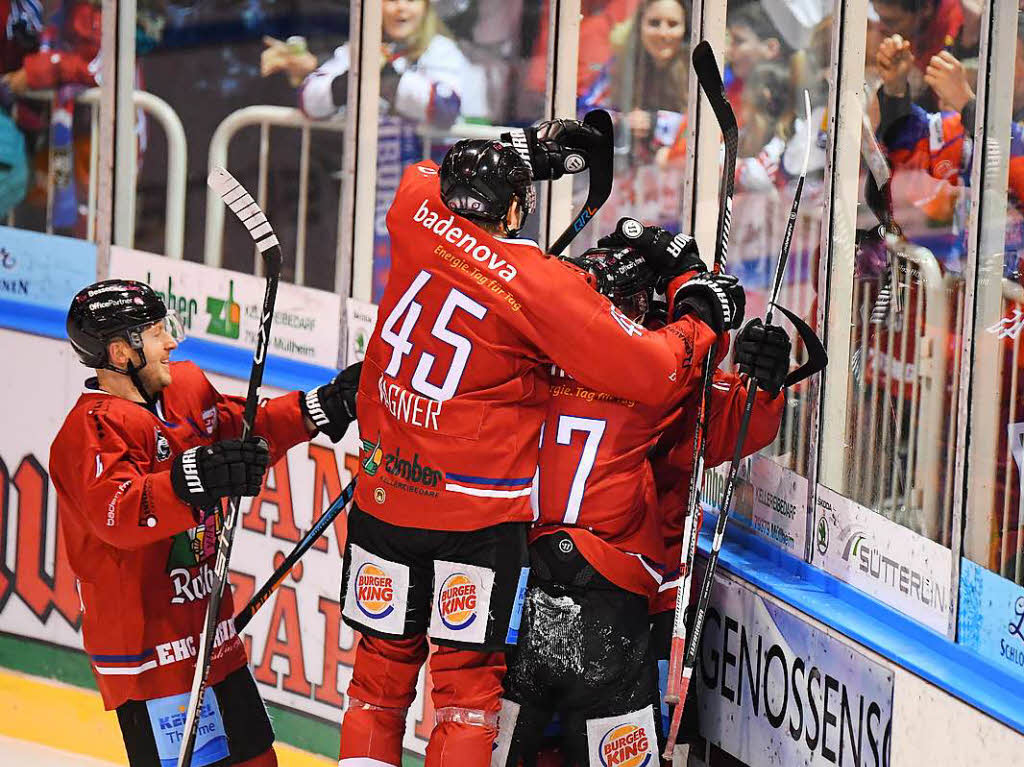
column 488, row 481
column 122, row 658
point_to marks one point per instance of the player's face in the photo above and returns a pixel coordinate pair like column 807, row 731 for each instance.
column 158, row 341
column 401, row 18
column 662, row 28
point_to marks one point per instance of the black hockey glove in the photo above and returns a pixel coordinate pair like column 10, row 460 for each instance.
column 717, row 299
column 332, row 407
column 762, row 352
column 201, row 476
column 668, row 254
column 554, row 147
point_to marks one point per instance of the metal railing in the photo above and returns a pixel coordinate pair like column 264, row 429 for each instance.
column 265, row 117
column 899, row 395
column 177, row 165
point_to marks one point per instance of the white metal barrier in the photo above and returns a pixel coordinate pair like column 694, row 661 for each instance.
column 265, row 117
column 177, row 165
column 900, row 395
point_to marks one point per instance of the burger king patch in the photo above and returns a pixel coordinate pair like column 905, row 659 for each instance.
column 377, row 592
column 628, row 740
column 462, row 601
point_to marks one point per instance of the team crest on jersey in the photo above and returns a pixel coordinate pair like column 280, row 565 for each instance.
column 163, row 447
column 625, row 745
column 210, row 420
column 375, row 591
column 193, row 547
column 457, row 601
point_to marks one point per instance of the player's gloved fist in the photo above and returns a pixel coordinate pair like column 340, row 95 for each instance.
column 332, row 407
column 201, row 476
column 668, row 254
column 616, row 271
column 762, row 352
column 717, row 299
column 554, row 147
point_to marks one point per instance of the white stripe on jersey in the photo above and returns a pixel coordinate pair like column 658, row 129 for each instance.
column 453, row 488
column 125, row 670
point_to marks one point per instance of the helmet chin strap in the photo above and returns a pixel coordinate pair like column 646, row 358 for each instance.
column 140, row 387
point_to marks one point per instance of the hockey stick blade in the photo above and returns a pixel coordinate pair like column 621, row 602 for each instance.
column 249, row 213
column 709, row 77
column 600, row 160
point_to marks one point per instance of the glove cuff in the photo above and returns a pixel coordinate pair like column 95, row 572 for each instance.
column 187, row 481
column 521, row 143
column 313, row 410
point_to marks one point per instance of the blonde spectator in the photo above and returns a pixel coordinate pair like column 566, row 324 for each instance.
column 425, row 78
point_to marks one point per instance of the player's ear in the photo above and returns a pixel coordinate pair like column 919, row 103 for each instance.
column 118, row 352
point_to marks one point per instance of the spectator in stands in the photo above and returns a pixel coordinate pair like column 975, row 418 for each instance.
column 425, row 78
column 598, row 23
column 752, row 39
column 21, row 23
column 645, row 84
column 767, row 115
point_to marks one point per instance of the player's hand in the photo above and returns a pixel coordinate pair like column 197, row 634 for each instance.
column 332, row 407
column 716, row 299
column 894, row 60
column 201, row 476
column 762, row 352
column 554, row 147
column 946, row 76
column 668, row 254
column 278, row 56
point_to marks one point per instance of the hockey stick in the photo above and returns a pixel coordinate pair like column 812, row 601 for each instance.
column 816, row 358
column 710, row 80
column 246, row 613
column 248, row 212
column 600, row 158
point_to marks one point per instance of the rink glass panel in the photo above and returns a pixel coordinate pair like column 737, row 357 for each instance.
column 770, row 60
column 994, row 532
column 634, row 61
column 906, row 307
column 205, row 62
column 487, row 63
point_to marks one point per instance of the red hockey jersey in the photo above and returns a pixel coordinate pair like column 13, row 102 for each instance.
column 454, row 386
column 594, row 482
column 141, row 561
column 673, row 459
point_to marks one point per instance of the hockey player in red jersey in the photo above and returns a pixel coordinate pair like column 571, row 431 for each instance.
column 141, row 466
column 597, row 551
column 451, row 401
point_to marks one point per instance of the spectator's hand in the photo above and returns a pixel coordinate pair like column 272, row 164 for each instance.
column 278, row 57
column 946, row 76
column 16, row 81
column 639, row 121
column 894, row 60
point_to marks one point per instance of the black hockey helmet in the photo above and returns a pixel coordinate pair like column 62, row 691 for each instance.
column 112, row 309
column 480, row 177
column 623, row 275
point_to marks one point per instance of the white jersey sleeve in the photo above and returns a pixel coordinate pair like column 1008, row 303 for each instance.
column 315, row 96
